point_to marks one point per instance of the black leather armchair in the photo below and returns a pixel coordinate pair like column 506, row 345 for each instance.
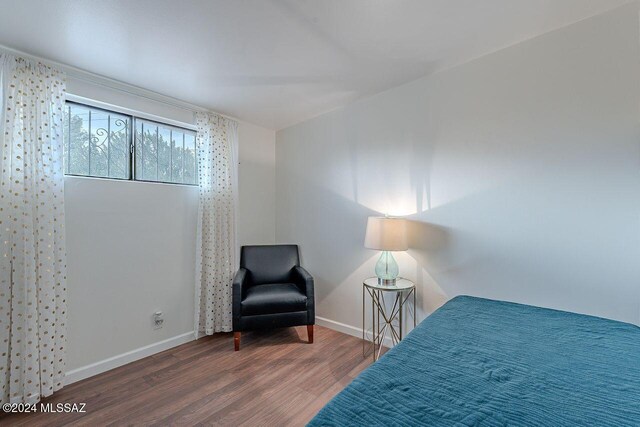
column 271, row 290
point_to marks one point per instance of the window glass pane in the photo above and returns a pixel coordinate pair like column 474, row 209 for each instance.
column 119, row 147
column 139, row 149
column 165, row 153
column 99, row 147
column 65, row 136
column 150, row 158
column 176, row 164
column 96, row 142
column 78, row 137
column 190, row 159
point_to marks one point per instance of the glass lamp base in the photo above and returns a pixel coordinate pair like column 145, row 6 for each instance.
column 387, row 269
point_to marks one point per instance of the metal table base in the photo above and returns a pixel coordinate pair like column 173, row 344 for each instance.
column 382, row 319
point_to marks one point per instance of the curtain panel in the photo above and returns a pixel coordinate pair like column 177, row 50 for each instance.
column 216, row 251
column 32, row 237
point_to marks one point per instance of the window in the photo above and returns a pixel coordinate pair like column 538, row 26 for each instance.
column 96, row 142
column 102, row 143
column 164, row 153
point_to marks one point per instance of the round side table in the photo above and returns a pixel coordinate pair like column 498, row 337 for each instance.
column 381, row 318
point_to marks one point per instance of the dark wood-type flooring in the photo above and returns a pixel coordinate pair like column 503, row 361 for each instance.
column 276, row 379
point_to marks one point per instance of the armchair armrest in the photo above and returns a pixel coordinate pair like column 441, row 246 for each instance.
column 304, row 280
column 239, row 287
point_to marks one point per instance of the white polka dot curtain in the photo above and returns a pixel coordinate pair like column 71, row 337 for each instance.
column 216, row 252
column 32, row 257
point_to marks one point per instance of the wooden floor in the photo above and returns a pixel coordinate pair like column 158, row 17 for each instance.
column 276, row 379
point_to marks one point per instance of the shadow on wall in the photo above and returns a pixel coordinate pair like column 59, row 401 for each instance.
column 342, row 222
column 425, row 242
column 331, row 205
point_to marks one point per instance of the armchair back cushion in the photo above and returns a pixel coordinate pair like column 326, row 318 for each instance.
column 269, row 264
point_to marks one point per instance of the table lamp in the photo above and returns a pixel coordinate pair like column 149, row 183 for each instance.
column 386, row 234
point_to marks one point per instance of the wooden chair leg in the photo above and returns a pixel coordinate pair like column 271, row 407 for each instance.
column 310, row 333
column 236, row 341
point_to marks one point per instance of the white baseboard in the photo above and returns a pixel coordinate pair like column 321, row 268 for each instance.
column 151, row 349
column 348, row 329
column 124, row 358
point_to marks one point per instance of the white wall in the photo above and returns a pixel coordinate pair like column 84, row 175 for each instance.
column 131, row 245
column 257, row 182
column 130, row 252
column 521, row 170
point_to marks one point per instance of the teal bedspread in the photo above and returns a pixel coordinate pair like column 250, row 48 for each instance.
column 492, row 363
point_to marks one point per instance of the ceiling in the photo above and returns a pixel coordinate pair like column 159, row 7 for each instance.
column 276, row 62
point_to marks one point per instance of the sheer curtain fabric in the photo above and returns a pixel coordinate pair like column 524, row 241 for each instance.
column 32, row 247
column 216, row 251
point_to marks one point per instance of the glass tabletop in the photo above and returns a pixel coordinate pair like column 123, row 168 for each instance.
column 402, row 284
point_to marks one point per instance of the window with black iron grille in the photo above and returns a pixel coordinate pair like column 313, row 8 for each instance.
column 107, row 144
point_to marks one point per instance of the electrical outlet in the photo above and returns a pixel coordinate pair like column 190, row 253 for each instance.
column 158, row 320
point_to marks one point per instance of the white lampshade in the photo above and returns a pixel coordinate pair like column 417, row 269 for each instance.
column 386, row 234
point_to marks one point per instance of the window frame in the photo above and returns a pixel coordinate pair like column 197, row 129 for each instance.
column 169, row 126
column 67, row 155
column 134, row 116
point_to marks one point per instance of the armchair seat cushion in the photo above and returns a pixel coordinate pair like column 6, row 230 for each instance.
column 273, row 298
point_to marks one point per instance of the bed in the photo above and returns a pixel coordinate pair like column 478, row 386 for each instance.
column 482, row 362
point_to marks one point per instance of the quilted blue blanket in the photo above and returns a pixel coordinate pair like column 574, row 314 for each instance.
column 478, row 362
